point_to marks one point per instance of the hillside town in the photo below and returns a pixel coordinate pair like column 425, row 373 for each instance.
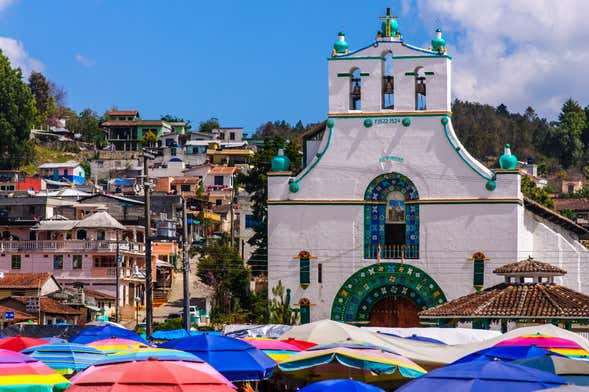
column 395, row 244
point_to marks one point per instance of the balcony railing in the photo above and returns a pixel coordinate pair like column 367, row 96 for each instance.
column 69, row 245
column 391, row 251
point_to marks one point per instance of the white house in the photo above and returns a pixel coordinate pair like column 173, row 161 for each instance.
column 390, row 214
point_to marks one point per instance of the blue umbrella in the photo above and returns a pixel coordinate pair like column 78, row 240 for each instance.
column 343, row 385
column 484, row 376
column 234, row 358
column 504, row 353
column 574, row 370
column 92, row 334
column 143, row 354
column 413, row 337
column 170, row 334
column 53, row 339
column 65, row 357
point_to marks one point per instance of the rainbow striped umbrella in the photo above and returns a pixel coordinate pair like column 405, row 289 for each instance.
column 278, row 350
column 558, row 345
column 359, row 361
column 113, row 345
column 65, row 358
column 20, row 372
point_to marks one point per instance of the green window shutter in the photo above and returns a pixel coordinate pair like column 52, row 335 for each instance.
column 305, row 272
column 478, row 279
column 305, row 314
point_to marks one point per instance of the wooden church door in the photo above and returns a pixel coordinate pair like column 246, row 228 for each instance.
column 394, row 312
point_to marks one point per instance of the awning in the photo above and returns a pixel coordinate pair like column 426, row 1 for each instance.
column 163, row 264
column 93, row 308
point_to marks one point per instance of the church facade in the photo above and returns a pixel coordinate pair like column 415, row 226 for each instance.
column 390, row 214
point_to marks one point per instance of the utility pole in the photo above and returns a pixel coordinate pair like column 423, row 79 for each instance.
column 186, row 269
column 117, row 283
column 231, row 209
column 148, row 271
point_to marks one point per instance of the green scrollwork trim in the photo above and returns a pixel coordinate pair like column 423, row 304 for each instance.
column 355, row 298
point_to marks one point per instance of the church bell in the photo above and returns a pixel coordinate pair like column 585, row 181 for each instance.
column 389, row 85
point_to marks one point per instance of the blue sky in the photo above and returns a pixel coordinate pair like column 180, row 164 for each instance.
column 246, row 62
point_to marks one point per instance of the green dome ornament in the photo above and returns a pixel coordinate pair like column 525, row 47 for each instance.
column 393, row 26
column 340, row 46
column 280, row 163
column 439, row 43
column 507, row 161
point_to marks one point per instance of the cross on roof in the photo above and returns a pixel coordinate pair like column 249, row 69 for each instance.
column 387, row 18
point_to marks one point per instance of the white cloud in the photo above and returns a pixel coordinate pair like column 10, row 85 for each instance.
column 5, row 3
column 18, row 56
column 521, row 53
column 85, row 61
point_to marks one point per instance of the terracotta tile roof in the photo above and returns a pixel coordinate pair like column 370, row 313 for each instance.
column 185, row 180
column 553, row 216
column 122, row 113
column 529, row 265
column 223, row 170
column 51, row 306
column 572, row 204
column 24, row 280
column 98, row 294
column 509, row 300
column 125, row 123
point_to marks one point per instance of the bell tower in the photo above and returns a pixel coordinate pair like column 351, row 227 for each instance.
column 389, row 75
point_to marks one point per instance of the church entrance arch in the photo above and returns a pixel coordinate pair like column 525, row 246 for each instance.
column 386, row 293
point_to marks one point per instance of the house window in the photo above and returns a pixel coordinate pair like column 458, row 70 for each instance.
column 100, row 235
column 388, row 83
column 218, row 180
column 249, row 221
column 356, row 90
column 304, row 268
column 173, row 151
column 319, row 273
column 65, row 172
column 77, row 262
column 305, row 310
column 58, row 262
column 185, row 187
column 218, row 202
column 81, row 234
column 15, row 262
column 231, row 135
column 420, row 89
column 391, row 229
column 478, row 277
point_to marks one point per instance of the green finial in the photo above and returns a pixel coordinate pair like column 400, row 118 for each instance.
column 389, row 26
column 340, row 46
column 439, row 43
column 508, row 161
column 280, row 163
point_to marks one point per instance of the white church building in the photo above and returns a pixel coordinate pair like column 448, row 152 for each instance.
column 390, row 214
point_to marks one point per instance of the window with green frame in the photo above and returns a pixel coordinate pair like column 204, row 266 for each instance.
column 478, row 277
column 15, row 262
column 304, row 257
column 305, row 310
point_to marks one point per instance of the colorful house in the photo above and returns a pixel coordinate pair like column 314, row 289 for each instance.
column 18, row 181
column 70, row 171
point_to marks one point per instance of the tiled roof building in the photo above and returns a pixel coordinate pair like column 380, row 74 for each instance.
column 528, row 295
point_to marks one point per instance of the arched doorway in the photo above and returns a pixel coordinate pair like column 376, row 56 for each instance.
column 362, row 293
column 395, row 311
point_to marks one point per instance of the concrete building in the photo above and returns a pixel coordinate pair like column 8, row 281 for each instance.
column 390, row 214
column 70, row 171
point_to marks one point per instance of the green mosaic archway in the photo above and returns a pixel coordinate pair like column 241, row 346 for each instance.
column 363, row 289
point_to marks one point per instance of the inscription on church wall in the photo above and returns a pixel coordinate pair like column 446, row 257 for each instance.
column 391, row 120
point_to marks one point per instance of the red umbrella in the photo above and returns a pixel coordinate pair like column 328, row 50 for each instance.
column 150, row 375
column 19, row 343
column 301, row 344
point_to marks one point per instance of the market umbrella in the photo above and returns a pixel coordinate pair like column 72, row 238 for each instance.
column 20, row 372
column 235, row 359
column 504, row 353
column 163, row 354
column 301, row 344
column 149, row 375
column 363, row 362
column 53, row 340
column 562, row 346
column 329, row 331
column 88, row 335
column 275, row 349
column 19, row 343
column 110, row 346
column 575, row 371
column 341, row 385
column 567, row 388
column 65, row 358
column 484, row 376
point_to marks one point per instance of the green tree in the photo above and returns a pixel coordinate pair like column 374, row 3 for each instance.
column 44, row 101
column 172, row 118
column 539, row 195
column 568, row 213
column 17, row 114
column 149, row 139
column 566, row 136
column 221, row 268
column 280, row 310
column 87, row 124
column 255, row 183
column 209, row 125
